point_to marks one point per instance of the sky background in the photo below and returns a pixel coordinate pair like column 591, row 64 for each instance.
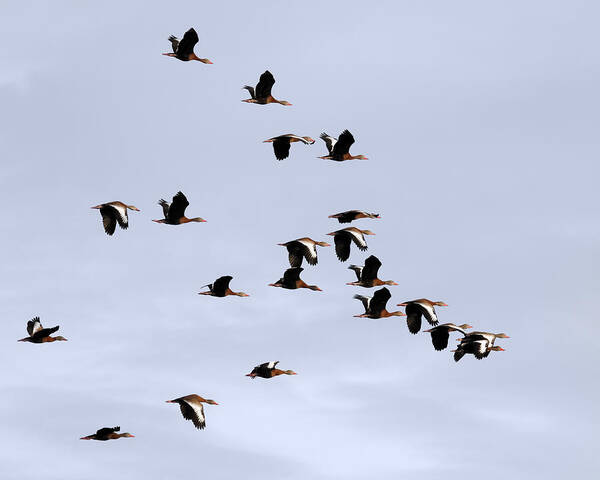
column 480, row 121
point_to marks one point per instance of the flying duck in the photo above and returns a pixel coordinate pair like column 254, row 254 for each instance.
column 375, row 305
column 339, row 149
column 107, row 434
column 342, row 239
column 441, row 333
column 281, row 144
column 184, row 49
column 479, row 348
column 192, row 409
column 39, row 334
column 291, row 280
column 262, row 94
column 417, row 308
column 268, row 370
column 220, row 288
column 113, row 213
column 175, row 213
column 303, row 248
column 367, row 275
column 350, row 215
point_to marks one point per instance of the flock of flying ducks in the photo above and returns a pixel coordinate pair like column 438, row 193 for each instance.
column 479, row 344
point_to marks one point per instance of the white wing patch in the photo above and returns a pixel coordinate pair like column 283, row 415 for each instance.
column 198, row 413
column 329, row 142
column 481, row 346
column 122, row 212
column 272, row 364
column 36, row 326
column 430, row 310
column 360, row 239
column 312, row 248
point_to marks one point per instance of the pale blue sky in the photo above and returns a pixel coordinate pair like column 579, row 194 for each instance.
column 480, row 121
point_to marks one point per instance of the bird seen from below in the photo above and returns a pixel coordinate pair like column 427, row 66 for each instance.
column 343, row 238
column 441, row 334
column 220, row 288
column 350, row 215
column 107, row 433
column 184, row 49
column 367, row 275
column 339, row 149
column 291, row 280
column 192, row 409
column 175, row 212
column 415, row 309
column 262, row 94
column 39, row 334
column 281, row 144
column 478, row 348
column 268, row 370
column 303, row 248
column 375, row 305
column 113, row 213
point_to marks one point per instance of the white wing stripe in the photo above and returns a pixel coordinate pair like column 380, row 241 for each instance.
column 359, row 237
column 198, row 410
column 429, row 309
column 122, row 212
column 311, row 248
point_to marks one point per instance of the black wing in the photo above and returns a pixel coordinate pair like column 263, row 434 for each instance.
column 364, row 300
column 342, row 146
column 266, row 82
column 342, row 245
column 165, row 206
column 439, row 338
column 348, row 216
column 357, row 270
column 250, row 90
column 281, row 147
column 291, row 275
column 174, row 42
column 296, row 253
column 107, row 431
column 178, row 206
column 413, row 317
column 379, row 301
column 220, row 285
column 44, row 332
column 187, row 43
column 458, row 354
column 369, row 271
column 264, row 370
column 109, row 219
